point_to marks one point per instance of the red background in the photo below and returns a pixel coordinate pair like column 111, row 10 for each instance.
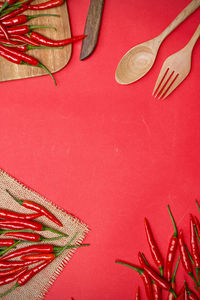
column 110, row 154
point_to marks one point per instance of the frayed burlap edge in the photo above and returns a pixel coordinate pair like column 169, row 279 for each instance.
column 20, row 190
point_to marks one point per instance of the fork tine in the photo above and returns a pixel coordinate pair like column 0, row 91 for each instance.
column 164, row 82
column 170, row 83
column 161, row 77
column 173, row 87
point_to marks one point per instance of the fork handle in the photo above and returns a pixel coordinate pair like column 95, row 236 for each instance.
column 186, row 12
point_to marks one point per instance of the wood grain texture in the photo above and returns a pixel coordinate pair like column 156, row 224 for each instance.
column 53, row 59
column 92, row 27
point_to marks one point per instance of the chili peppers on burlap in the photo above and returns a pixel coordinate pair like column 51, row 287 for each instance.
column 27, row 224
column 155, row 252
column 36, row 207
column 7, row 214
column 30, row 236
column 10, row 278
column 24, row 277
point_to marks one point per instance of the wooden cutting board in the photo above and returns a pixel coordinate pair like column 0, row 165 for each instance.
column 53, row 59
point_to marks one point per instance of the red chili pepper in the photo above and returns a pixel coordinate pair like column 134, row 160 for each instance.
column 9, row 272
column 171, row 248
column 9, row 278
column 24, row 224
column 37, row 207
column 14, row 13
column 48, row 256
column 24, row 38
column 193, row 243
column 7, row 214
column 181, row 294
column 23, row 29
column 145, row 278
column 6, row 242
column 46, row 5
column 25, row 277
column 20, row 47
column 153, row 275
column 155, row 252
column 11, row 58
column 157, row 292
column 29, row 236
column 21, row 19
column 14, row 264
column 29, row 249
column 185, row 259
column 4, row 31
column 39, row 38
column 137, row 295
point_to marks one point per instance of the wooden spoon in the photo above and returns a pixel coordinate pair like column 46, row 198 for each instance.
column 139, row 60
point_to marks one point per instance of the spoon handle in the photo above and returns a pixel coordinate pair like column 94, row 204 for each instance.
column 194, row 39
column 186, row 12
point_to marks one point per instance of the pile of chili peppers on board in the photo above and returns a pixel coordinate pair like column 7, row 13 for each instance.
column 162, row 278
column 17, row 228
column 16, row 37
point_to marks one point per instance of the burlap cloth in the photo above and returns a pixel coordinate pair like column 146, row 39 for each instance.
column 38, row 286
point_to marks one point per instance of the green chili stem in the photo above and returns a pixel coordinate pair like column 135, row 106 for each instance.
column 197, row 205
column 192, row 276
column 17, row 200
column 42, row 15
column 161, row 271
column 173, row 222
column 47, row 70
column 65, row 247
column 197, row 233
column 9, row 291
column 70, row 246
column 7, row 249
column 175, row 270
column 54, row 231
column 140, row 271
column 31, row 27
column 189, row 254
column 4, row 6
column 173, row 293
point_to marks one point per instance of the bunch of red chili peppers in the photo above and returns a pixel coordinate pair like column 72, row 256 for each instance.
column 164, row 279
column 16, row 37
column 18, row 228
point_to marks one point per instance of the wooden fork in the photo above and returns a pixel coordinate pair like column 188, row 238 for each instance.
column 175, row 69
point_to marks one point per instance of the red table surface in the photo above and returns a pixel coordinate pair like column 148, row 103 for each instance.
column 108, row 153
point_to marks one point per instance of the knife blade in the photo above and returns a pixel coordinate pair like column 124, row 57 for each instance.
column 92, row 27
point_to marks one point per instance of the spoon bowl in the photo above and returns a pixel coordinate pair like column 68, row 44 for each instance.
column 136, row 63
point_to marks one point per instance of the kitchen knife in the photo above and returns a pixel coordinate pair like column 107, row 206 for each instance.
column 92, row 27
